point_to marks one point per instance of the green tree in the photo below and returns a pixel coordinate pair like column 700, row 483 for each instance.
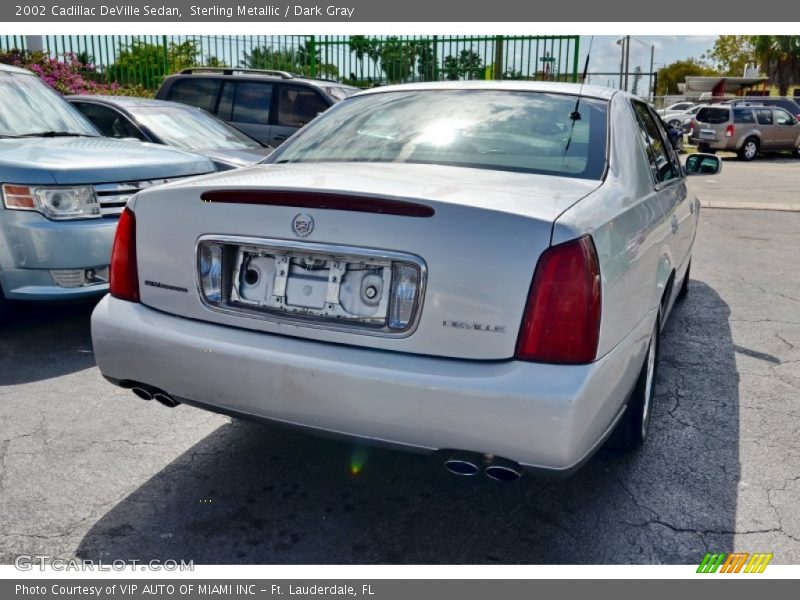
column 150, row 63
column 361, row 46
column 467, row 65
column 731, row 53
column 427, row 62
column 670, row 76
column 397, row 59
column 779, row 57
column 262, row 57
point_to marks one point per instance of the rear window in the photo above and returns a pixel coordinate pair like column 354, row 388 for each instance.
column 743, row 115
column 713, row 116
column 531, row 132
column 201, row 93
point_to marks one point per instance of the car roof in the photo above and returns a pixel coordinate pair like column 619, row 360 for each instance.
column 587, row 91
column 256, row 75
column 128, row 101
column 12, row 69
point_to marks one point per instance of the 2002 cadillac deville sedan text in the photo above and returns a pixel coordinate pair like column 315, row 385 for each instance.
column 479, row 268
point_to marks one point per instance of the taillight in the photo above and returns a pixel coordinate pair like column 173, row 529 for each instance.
column 562, row 318
column 729, row 131
column 124, row 277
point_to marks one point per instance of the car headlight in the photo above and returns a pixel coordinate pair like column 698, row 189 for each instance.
column 58, row 203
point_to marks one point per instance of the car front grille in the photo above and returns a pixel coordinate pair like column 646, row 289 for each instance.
column 114, row 196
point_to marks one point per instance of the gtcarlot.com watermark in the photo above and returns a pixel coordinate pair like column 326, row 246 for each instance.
column 42, row 562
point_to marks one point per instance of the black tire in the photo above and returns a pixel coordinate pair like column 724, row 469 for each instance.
column 796, row 152
column 4, row 307
column 684, row 291
column 703, row 148
column 632, row 429
column 749, row 150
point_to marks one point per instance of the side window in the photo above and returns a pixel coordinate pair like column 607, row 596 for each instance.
column 109, row 121
column 783, row 118
column 743, row 115
column 225, row 108
column 252, row 102
column 298, row 105
column 764, row 116
column 659, row 150
column 199, row 92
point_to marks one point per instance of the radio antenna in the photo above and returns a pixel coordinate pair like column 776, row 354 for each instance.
column 575, row 115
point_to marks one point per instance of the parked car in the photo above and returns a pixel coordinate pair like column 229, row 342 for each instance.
column 746, row 130
column 267, row 105
column 675, row 108
column 788, row 104
column 172, row 124
column 480, row 268
column 63, row 187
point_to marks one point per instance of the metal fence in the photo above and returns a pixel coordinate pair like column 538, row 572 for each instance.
column 358, row 60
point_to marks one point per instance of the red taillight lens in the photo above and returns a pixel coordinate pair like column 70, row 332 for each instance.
column 124, row 277
column 729, row 131
column 562, row 318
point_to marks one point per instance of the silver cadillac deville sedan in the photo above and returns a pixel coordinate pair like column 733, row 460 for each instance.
column 477, row 268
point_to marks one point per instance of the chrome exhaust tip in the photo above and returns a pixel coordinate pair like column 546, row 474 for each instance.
column 142, row 392
column 462, row 465
column 503, row 470
column 165, row 399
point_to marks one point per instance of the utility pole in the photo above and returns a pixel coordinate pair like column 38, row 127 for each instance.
column 621, row 43
column 652, row 79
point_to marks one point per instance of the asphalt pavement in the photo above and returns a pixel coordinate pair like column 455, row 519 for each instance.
column 88, row 470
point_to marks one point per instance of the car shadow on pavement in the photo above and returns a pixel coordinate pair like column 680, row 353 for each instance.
column 251, row 493
column 42, row 341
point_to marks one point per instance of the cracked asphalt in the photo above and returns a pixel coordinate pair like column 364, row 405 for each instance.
column 90, row 471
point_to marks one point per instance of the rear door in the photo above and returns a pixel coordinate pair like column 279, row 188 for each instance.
column 668, row 181
column 296, row 106
column 766, row 123
column 786, row 130
column 248, row 106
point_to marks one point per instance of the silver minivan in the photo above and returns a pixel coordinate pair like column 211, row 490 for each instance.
column 746, row 130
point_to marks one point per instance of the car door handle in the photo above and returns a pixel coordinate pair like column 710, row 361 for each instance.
column 281, row 137
column 674, row 224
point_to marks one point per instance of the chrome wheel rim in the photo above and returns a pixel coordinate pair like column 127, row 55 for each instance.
column 648, row 384
column 750, row 149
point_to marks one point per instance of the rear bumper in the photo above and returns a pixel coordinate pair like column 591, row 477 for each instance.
column 546, row 416
column 725, row 144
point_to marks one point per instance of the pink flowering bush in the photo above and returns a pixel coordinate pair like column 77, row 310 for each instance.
column 68, row 75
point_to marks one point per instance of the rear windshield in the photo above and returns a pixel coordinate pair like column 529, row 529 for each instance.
column 486, row 129
column 713, row 116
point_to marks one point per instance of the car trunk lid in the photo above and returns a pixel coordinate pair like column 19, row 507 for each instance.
column 341, row 231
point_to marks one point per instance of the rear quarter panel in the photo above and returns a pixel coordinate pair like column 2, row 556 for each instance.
column 628, row 221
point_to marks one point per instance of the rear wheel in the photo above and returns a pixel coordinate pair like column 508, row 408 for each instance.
column 796, row 152
column 705, row 149
column 633, row 427
column 749, row 149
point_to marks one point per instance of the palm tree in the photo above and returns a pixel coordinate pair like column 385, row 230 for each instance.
column 360, row 46
column 779, row 57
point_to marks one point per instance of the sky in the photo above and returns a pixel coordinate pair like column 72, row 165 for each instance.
column 606, row 53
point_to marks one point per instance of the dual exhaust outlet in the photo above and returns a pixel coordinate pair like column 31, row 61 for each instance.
column 467, row 464
column 148, row 392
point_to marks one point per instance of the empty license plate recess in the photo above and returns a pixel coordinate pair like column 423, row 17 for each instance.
column 337, row 287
